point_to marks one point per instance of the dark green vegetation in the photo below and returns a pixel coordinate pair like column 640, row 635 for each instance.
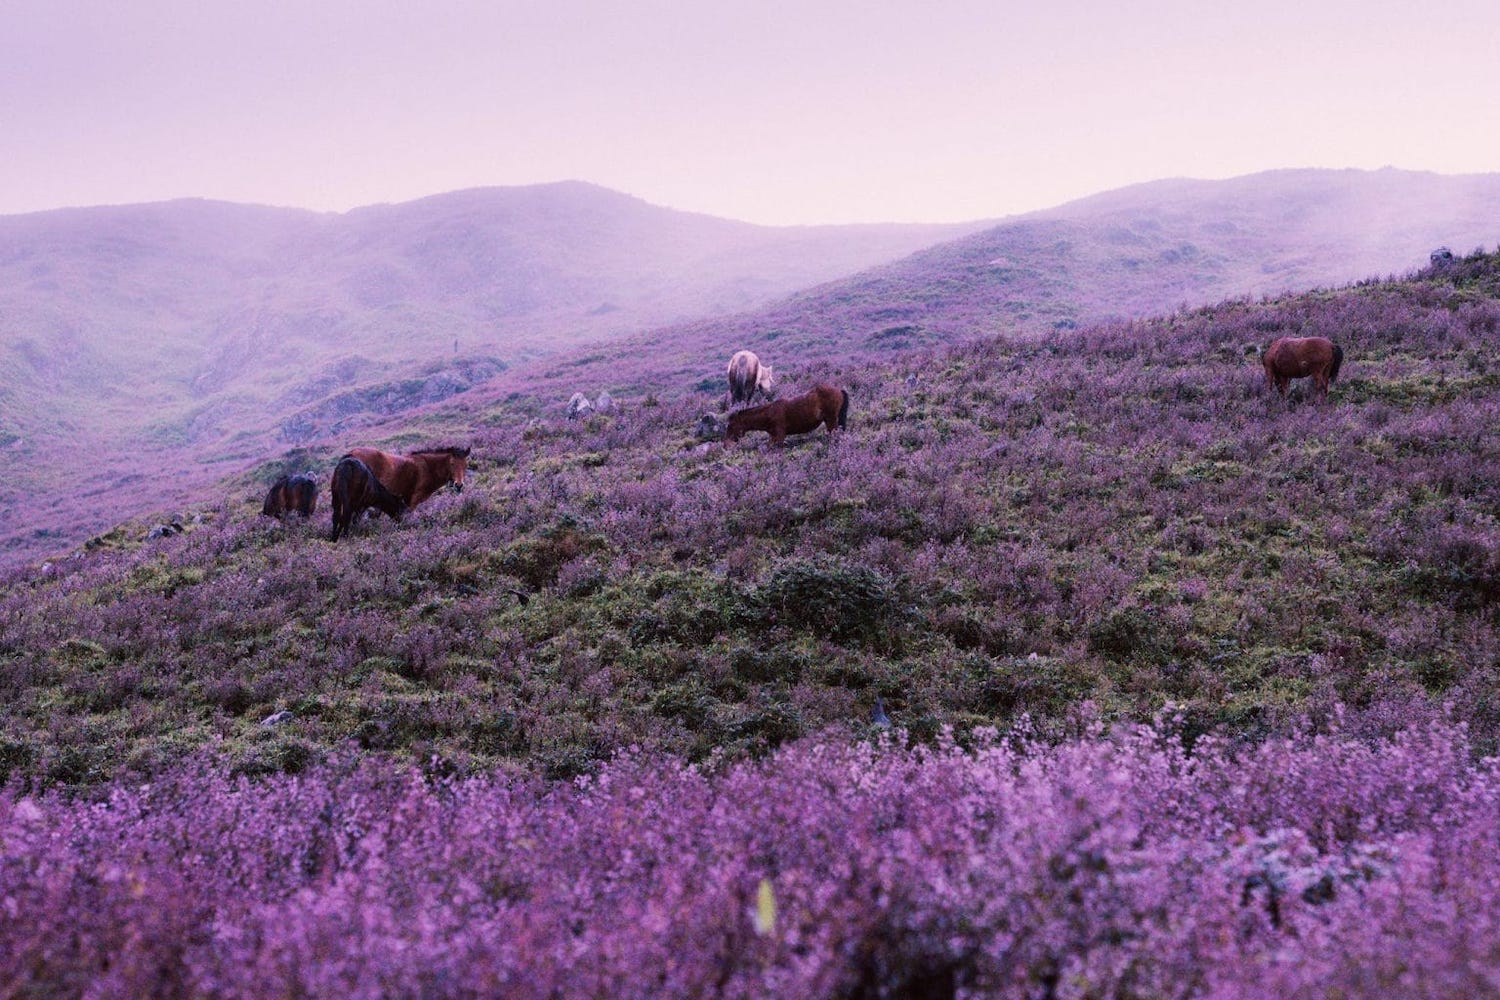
column 1119, row 517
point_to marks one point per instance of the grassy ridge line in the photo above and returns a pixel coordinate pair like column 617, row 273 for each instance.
column 1120, row 516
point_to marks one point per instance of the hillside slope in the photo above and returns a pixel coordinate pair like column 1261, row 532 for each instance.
column 1119, row 517
column 304, row 333
column 178, row 335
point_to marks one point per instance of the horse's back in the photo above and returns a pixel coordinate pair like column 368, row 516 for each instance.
column 394, row 472
column 377, row 461
column 744, row 375
column 1298, row 356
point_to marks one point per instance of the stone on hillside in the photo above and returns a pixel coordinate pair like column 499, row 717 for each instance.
column 579, row 406
column 708, row 428
column 605, row 403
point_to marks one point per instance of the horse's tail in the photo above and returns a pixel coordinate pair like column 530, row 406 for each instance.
column 338, row 497
column 844, row 411
column 1338, row 360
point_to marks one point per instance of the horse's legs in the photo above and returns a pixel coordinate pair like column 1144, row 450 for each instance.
column 1321, row 378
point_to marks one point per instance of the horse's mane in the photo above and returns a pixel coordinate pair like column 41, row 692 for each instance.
column 755, row 411
column 451, row 452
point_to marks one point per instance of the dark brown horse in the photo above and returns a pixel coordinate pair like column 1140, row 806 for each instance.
column 291, row 495
column 823, row 404
column 417, row 476
column 355, row 490
column 1298, row 357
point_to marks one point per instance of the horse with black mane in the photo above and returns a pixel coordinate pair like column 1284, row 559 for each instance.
column 823, row 404
column 417, row 476
column 297, row 494
column 355, row 489
column 1300, row 357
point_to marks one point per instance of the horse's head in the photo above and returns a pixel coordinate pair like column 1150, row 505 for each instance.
column 763, row 379
column 735, row 429
column 458, row 465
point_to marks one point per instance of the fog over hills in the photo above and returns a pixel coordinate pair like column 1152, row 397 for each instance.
column 1136, row 252
column 147, row 351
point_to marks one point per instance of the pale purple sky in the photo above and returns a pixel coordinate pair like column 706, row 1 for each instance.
column 808, row 111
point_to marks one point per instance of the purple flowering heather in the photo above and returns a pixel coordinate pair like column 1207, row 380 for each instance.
column 1103, row 866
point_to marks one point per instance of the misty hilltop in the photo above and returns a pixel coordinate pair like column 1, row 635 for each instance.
column 1136, row 252
column 149, row 351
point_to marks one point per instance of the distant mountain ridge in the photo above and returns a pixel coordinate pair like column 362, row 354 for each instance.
column 1136, row 252
column 197, row 339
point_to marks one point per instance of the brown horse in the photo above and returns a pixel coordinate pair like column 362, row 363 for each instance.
column 291, row 495
column 1298, row 357
column 355, row 490
column 417, row 476
column 823, row 404
column 747, row 376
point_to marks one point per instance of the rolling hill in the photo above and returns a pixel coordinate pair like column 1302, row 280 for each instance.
column 208, row 339
column 1137, row 252
column 197, row 336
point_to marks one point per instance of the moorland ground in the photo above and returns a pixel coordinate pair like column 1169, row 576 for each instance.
column 656, row 774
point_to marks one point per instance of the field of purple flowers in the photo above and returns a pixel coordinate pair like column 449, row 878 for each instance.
column 1103, row 867
column 1058, row 539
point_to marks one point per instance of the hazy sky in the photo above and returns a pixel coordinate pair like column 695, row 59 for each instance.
column 777, row 112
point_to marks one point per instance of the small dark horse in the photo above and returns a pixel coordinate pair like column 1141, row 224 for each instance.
column 417, row 476
column 823, row 404
column 355, row 490
column 1298, row 357
column 291, row 495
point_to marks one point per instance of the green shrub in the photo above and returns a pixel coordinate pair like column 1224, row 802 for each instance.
column 834, row 601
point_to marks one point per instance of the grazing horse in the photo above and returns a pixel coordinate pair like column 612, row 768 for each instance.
column 747, row 376
column 823, row 404
column 291, row 495
column 1298, row 357
column 355, row 490
column 417, row 476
